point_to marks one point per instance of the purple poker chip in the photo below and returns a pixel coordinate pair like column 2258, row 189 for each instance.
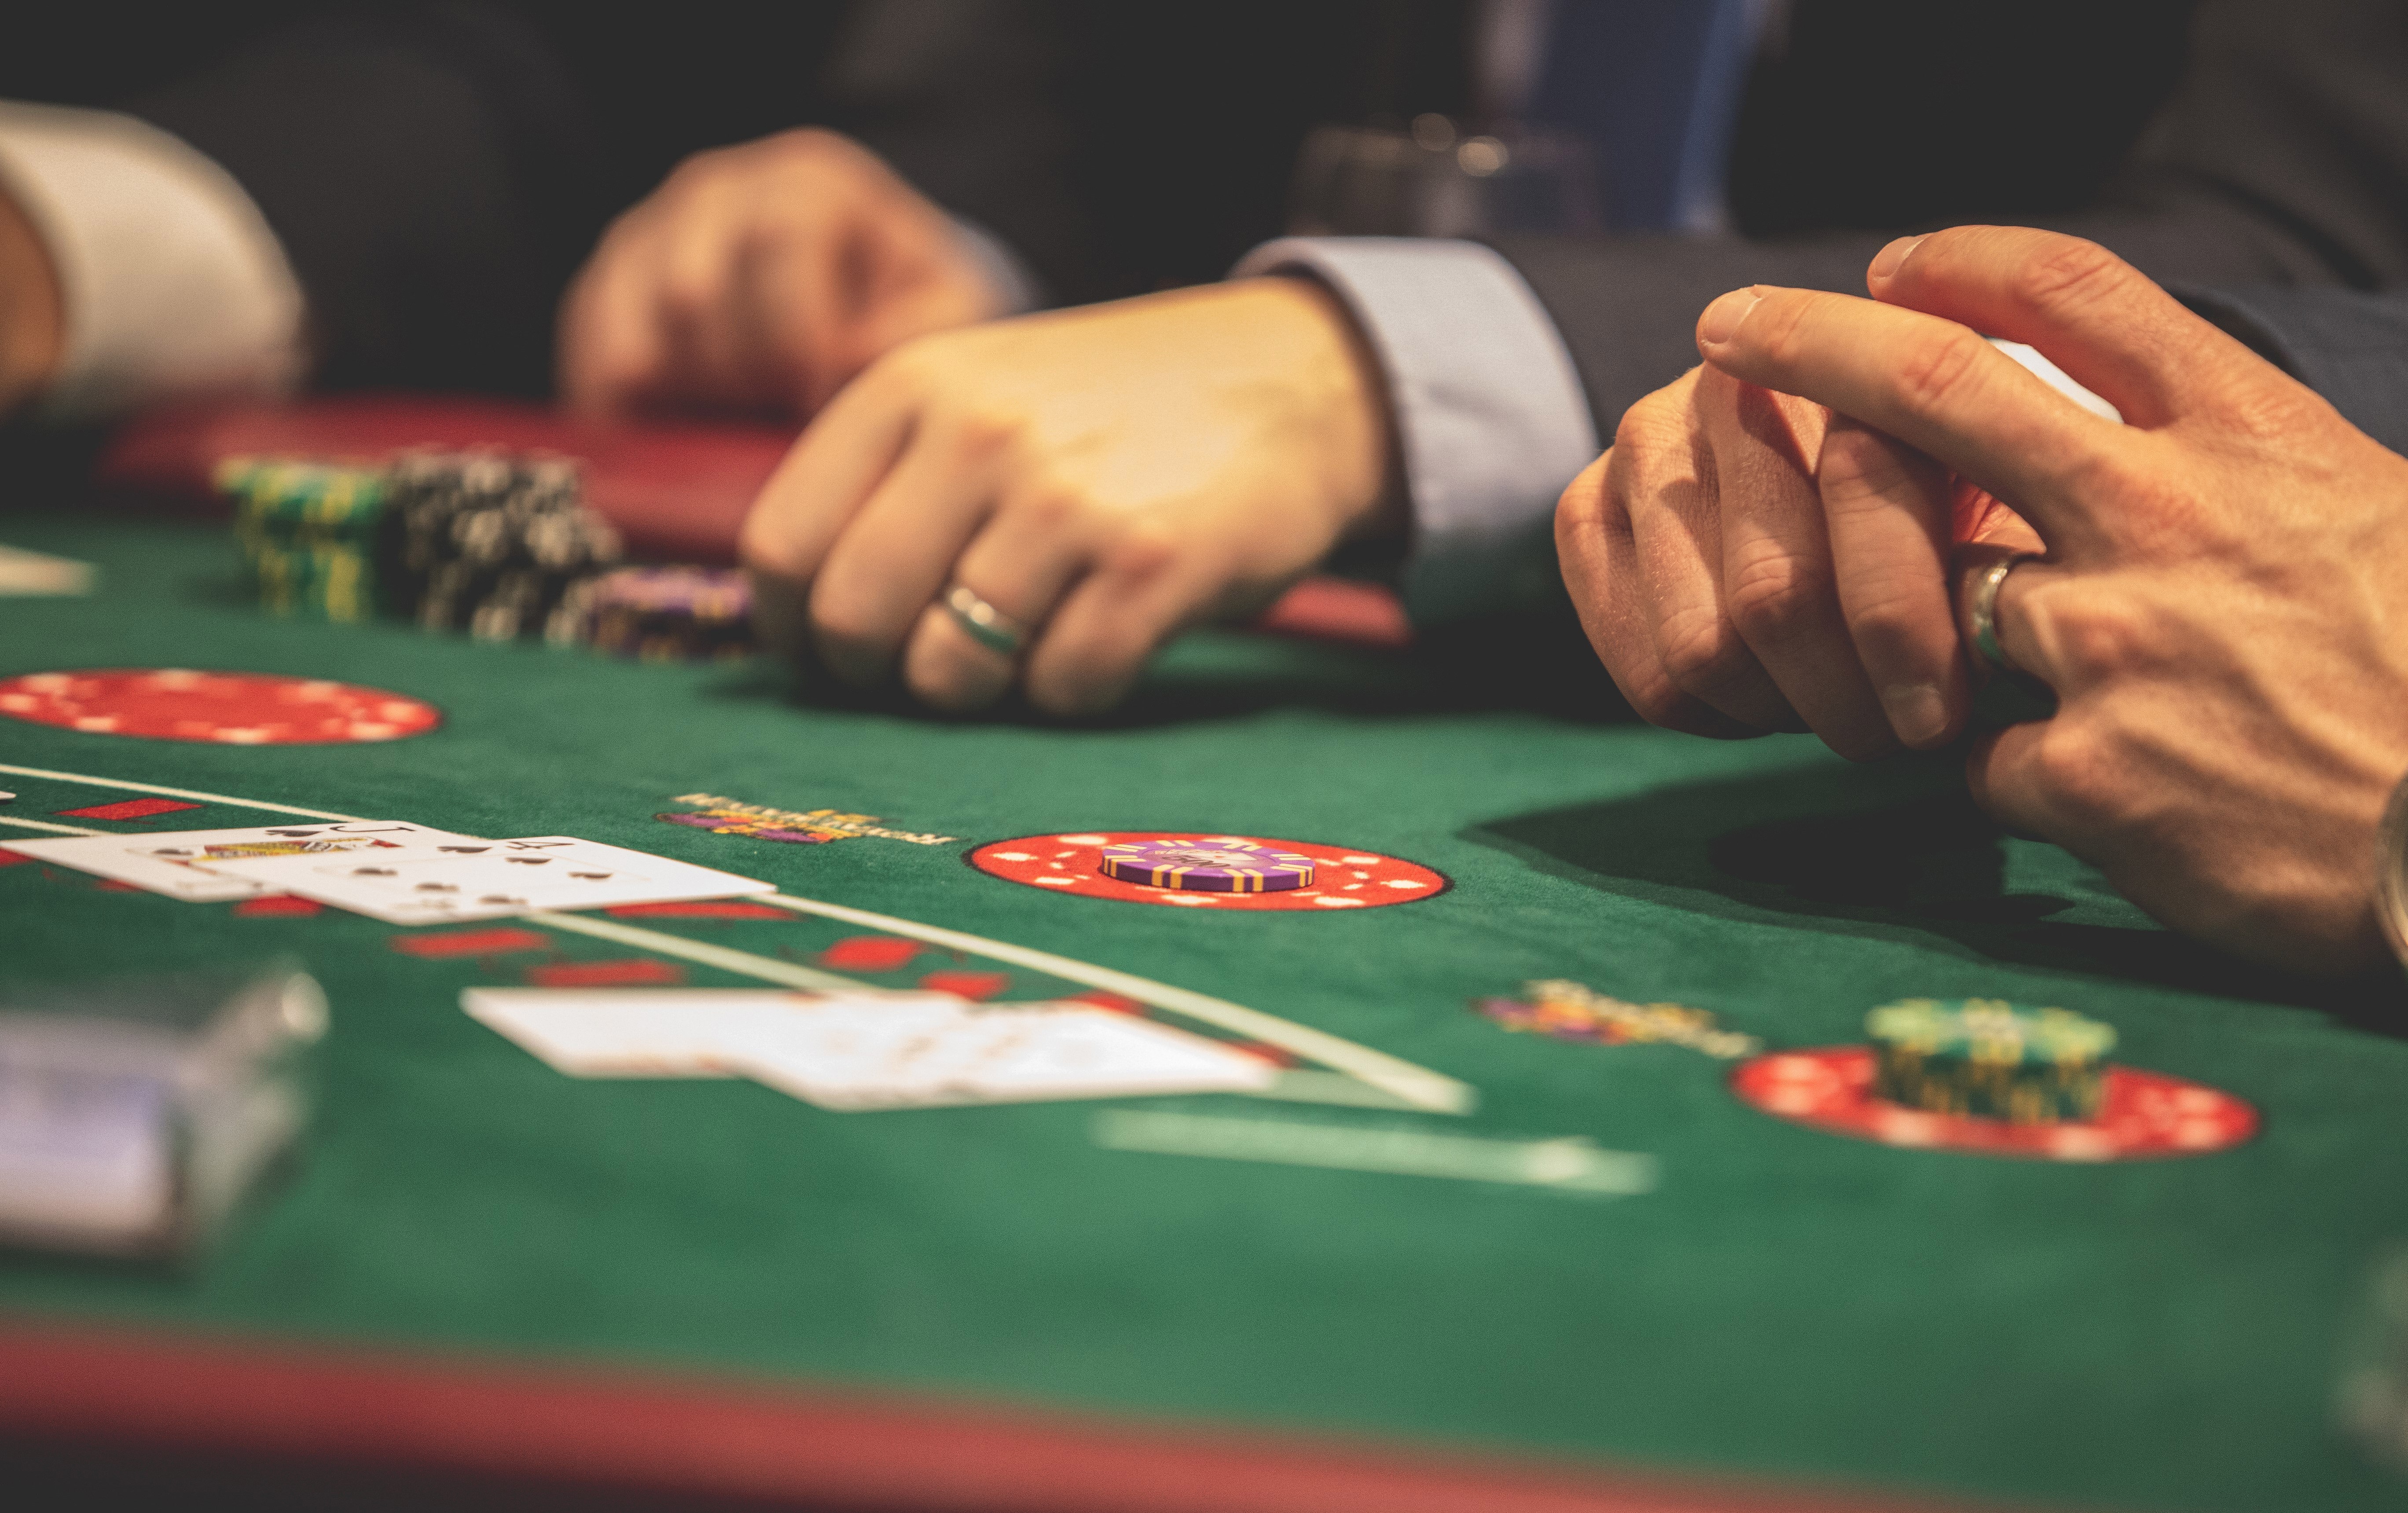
column 1218, row 865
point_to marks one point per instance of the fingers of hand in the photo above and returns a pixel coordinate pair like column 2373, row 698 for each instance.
column 1599, row 561
column 1020, row 563
column 1937, row 386
column 1665, row 479
column 2019, row 613
column 2090, row 312
column 1777, row 569
column 1152, row 582
column 1887, row 509
column 894, row 557
column 825, row 478
column 2003, row 770
column 610, row 354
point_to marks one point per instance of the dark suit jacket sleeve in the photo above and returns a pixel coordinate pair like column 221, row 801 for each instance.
column 2282, row 160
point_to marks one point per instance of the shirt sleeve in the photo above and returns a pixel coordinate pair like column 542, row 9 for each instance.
column 1490, row 415
column 173, row 284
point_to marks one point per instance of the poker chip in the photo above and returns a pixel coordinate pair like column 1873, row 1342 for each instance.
column 307, row 532
column 1987, row 1058
column 662, row 614
column 234, row 708
column 1228, row 866
column 1301, row 876
column 2140, row 1115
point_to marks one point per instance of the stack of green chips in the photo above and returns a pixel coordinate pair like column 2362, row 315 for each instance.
column 1988, row 1059
column 309, row 533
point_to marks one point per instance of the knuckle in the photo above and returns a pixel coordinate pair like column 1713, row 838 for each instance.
column 1143, row 549
column 2066, row 273
column 1772, row 598
column 2098, row 639
column 1654, row 697
column 1892, row 615
column 1583, row 501
column 845, row 616
column 1700, row 652
column 1937, row 368
column 2076, row 770
column 1052, row 507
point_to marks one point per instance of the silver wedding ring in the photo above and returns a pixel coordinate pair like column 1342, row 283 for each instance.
column 984, row 623
column 1982, row 612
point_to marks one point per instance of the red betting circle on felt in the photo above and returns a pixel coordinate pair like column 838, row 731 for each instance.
column 2142, row 1116
column 173, row 704
column 1344, row 879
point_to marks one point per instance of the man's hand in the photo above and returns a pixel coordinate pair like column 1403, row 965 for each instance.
column 1746, row 562
column 2224, row 613
column 1104, row 477
column 32, row 312
column 762, row 277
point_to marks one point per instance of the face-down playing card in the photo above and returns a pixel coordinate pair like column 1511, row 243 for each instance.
column 460, row 880
column 175, row 863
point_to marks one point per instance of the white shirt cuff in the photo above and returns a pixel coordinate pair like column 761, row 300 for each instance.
column 173, row 284
column 1490, row 415
column 1015, row 285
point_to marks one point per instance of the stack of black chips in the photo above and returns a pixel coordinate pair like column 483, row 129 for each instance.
column 488, row 542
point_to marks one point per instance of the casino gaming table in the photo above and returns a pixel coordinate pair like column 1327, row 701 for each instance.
column 1364, row 1290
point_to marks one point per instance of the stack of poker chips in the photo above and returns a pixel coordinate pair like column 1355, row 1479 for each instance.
column 309, row 533
column 484, row 541
column 1988, row 1059
column 661, row 614
column 488, row 543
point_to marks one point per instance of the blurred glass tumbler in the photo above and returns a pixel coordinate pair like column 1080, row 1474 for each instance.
column 136, row 1114
column 1433, row 181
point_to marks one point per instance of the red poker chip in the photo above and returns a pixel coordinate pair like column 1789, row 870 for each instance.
column 2142, row 1115
column 235, row 709
column 1073, row 864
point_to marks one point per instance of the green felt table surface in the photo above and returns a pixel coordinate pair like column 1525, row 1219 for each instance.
column 1785, row 1302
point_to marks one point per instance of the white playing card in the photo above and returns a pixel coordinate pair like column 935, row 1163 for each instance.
column 621, row 1031
column 172, row 862
column 867, row 1050
column 449, row 882
column 867, row 1054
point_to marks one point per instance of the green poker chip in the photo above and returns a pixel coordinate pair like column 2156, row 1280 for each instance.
column 1985, row 1058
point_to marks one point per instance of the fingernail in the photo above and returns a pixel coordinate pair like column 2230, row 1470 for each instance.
column 1917, row 711
column 1723, row 316
column 1886, row 260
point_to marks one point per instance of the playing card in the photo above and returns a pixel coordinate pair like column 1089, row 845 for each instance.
column 846, row 1052
column 872, row 1054
column 449, row 881
column 621, row 1031
column 867, row 1050
column 172, row 862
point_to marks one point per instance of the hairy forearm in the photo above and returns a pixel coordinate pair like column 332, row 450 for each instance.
column 32, row 325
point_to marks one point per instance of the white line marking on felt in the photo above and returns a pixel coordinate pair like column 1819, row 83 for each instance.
column 1416, row 1085
column 1570, row 1163
column 171, row 792
column 43, row 824
column 741, row 963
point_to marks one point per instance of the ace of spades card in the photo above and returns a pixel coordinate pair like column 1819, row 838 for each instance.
column 456, row 879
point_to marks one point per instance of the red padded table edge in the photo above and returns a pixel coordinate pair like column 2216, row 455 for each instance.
column 716, row 1435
